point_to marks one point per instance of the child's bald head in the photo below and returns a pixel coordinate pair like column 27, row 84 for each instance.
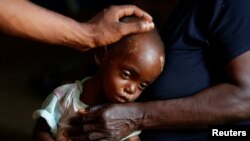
column 148, row 42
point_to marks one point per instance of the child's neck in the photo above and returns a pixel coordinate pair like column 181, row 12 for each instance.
column 92, row 93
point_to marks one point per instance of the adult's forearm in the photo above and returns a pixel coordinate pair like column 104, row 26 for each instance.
column 217, row 105
column 222, row 103
column 25, row 19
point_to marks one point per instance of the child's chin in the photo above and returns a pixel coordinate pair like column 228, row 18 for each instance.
column 117, row 99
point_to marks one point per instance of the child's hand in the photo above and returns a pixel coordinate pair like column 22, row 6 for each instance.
column 82, row 112
column 62, row 135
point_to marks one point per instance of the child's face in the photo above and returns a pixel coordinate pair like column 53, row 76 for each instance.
column 126, row 75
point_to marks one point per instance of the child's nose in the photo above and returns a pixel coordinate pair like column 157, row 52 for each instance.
column 130, row 89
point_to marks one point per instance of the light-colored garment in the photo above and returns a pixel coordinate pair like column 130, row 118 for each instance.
column 62, row 104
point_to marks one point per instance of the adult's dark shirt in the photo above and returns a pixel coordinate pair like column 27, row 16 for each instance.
column 213, row 33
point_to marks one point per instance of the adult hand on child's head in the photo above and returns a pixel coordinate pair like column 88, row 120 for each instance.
column 106, row 122
column 107, row 27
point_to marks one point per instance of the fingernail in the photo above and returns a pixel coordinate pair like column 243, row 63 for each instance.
column 144, row 25
column 147, row 26
column 151, row 25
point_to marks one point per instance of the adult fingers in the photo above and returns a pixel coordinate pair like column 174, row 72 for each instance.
column 93, row 108
column 84, row 129
column 95, row 136
column 135, row 27
column 75, row 121
column 90, row 114
column 80, row 138
column 128, row 10
column 104, row 140
column 75, row 131
column 88, row 128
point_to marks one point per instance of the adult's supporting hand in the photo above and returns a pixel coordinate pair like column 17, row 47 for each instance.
column 25, row 19
column 107, row 122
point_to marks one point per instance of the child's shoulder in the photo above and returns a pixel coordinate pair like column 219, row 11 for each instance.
column 64, row 89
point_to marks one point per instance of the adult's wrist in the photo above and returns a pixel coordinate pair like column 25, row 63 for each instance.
column 151, row 115
column 80, row 37
column 140, row 115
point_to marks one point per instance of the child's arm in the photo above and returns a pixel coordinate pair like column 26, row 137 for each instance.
column 134, row 138
column 42, row 131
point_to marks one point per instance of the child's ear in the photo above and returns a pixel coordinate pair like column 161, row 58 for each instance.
column 100, row 56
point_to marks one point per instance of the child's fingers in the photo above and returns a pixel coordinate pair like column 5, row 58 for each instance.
column 82, row 111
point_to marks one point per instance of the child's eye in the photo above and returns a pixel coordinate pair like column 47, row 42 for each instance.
column 142, row 86
column 126, row 74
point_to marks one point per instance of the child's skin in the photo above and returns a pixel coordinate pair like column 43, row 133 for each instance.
column 125, row 70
